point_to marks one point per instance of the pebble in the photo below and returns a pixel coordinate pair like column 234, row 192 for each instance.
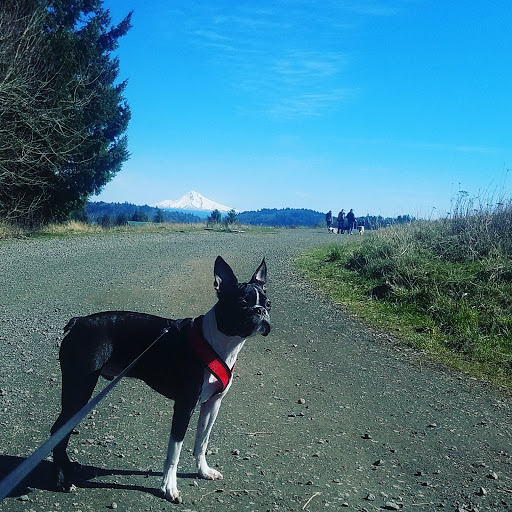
column 481, row 492
column 24, row 497
column 493, row 476
column 391, row 505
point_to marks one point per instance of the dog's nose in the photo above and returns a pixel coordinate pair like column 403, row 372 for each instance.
column 260, row 310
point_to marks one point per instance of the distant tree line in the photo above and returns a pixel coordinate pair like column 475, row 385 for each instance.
column 118, row 214
column 290, row 217
column 377, row 222
column 287, row 217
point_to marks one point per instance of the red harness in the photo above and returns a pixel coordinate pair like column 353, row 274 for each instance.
column 212, row 361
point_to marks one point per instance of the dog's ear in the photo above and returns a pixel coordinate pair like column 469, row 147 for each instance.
column 260, row 276
column 224, row 276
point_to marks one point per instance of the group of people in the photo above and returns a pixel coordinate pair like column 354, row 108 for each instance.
column 346, row 222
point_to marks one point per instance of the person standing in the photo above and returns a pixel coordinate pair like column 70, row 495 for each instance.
column 351, row 219
column 341, row 221
column 328, row 219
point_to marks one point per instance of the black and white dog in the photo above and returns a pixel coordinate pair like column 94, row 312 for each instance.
column 191, row 363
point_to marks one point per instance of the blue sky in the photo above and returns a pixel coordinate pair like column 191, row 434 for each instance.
column 384, row 106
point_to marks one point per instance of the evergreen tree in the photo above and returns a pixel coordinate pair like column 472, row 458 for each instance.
column 231, row 218
column 62, row 111
column 214, row 218
column 159, row 217
column 106, row 221
column 121, row 220
column 140, row 216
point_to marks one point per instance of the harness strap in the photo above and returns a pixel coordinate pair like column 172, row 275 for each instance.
column 207, row 355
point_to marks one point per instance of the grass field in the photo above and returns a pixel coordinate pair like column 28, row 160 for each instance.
column 445, row 286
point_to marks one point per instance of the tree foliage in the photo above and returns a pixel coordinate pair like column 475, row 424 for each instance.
column 62, row 111
column 231, row 218
column 159, row 216
column 214, row 218
column 140, row 216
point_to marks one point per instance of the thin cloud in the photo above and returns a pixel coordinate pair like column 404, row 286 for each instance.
column 287, row 58
column 307, row 104
column 273, row 56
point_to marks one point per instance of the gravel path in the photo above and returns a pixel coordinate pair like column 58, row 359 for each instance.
column 324, row 414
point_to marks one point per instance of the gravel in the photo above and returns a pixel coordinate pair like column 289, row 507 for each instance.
column 325, row 412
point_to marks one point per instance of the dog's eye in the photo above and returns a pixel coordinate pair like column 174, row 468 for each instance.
column 268, row 304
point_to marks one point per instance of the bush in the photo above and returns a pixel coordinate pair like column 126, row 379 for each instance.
column 214, row 218
column 106, row 222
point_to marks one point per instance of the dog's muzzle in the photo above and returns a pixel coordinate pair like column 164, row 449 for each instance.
column 263, row 320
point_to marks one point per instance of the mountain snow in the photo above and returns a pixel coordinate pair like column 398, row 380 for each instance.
column 193, row 201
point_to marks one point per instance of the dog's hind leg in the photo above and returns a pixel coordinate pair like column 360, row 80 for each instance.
column 76, row 391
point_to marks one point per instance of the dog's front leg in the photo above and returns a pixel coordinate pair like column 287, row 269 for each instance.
column 180, row 421
column 207, row 417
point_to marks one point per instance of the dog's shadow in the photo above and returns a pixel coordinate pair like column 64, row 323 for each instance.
column 43, row 477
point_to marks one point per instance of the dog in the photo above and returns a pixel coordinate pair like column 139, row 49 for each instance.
column 332, row 231
column 192, row 363
column 360, row 229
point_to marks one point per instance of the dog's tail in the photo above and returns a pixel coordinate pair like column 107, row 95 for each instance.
column 70, row 324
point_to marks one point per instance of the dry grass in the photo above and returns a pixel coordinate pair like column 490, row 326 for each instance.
column 10, row 231
column 72, row 228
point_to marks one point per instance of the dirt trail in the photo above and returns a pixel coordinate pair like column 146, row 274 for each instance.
column 324, row 414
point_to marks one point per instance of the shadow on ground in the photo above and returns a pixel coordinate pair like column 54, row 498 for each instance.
column 43, row 477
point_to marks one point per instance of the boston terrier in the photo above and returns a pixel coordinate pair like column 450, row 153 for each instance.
column 191, row 363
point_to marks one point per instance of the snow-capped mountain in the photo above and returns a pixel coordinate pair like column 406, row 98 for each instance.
column 193, row 201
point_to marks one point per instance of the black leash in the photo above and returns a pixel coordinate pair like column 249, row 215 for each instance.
column 28, row 465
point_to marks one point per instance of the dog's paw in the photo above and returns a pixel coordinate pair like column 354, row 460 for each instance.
column 210, row 474
column 64, row 478
column 171, row 493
